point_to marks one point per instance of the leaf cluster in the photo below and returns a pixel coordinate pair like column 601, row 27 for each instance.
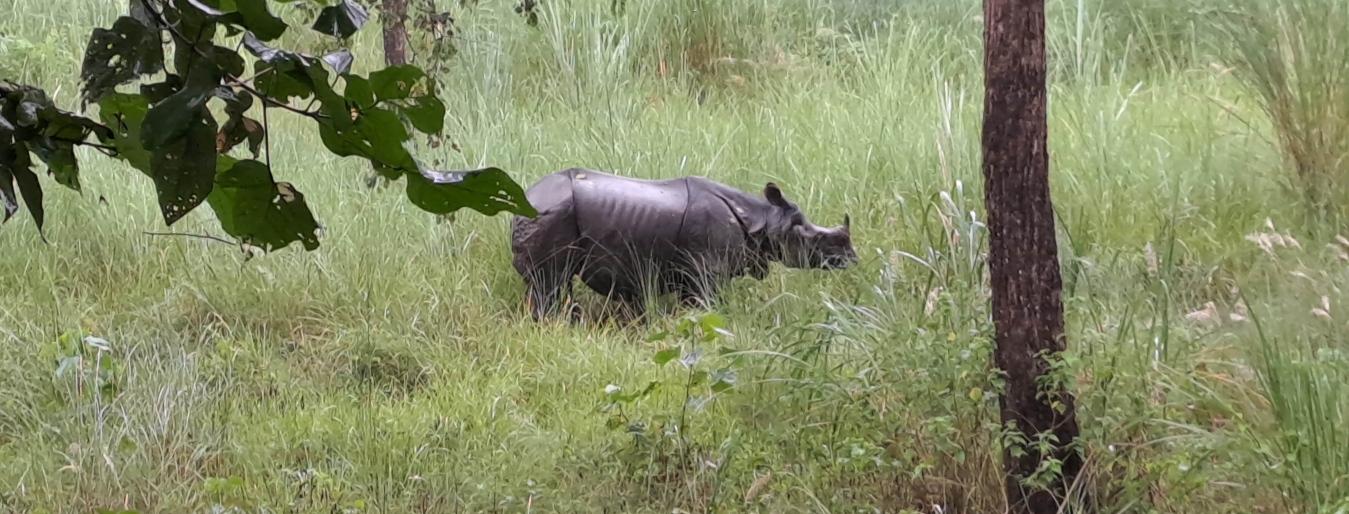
column 188, row 129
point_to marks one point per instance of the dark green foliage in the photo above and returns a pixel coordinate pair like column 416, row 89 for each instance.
column 427, row 114
column 183, row 170
column 488, row 190
column 168, row 132
column 259, row 211
column 395, row 82
column 29, row 122
column 341, row 20
column 117, row 55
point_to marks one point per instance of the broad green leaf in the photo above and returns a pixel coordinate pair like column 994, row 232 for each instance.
column 228, row 61
column 344, row 144
column 358, row 91
column 488, row 191
column 68, row 127
column 7, row 157
column 341, row 20
column 118, row 55
column 427, row 114
column 266, row 53
column 723, row 380
column 279, row 85
column 195, row 24
column 340, row 61
column 386, row 135
column 260, row 212
column 395, row 82
column 709, row 324
column 691, row 359
column 330, row 103
column 180, row 113
column 60, row 159
column 21, row 167
column 124, row 113
column 158, row 91
column 258, row 20
column 184, row 170
column 665, row 356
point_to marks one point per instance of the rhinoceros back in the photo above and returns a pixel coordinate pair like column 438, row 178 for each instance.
column 629, row 217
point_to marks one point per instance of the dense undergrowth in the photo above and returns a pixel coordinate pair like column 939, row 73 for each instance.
column 394, row 369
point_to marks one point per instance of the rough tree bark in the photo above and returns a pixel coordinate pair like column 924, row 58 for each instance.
column 1023, row 260
column 394, row 14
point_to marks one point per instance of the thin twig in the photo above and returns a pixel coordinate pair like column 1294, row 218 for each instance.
column 255, row 75
column 87, row 143
column 266, row 100
column 198, row 236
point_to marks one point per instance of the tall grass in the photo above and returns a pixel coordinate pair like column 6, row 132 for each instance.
column 1295, row 57
column 395, row 369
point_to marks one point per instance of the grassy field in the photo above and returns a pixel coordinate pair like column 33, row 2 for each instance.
column 395, row 370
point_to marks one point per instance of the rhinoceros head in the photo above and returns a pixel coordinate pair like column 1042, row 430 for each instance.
column 802, row 244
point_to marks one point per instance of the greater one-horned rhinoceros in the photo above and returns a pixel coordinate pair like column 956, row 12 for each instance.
column 687, row 235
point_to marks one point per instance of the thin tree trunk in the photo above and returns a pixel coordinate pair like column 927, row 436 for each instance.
column 394, row 14
column 1023, row 260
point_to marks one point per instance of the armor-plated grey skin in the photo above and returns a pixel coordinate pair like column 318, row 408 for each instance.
column 687, row 235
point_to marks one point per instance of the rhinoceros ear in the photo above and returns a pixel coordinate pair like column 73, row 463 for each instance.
column 774, row 196
column 847, row 223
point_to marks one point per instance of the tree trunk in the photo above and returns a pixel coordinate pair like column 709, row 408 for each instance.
column 1023, row 253
column 394, row 14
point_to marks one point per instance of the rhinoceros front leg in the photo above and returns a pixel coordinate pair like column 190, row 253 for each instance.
column 546, row 286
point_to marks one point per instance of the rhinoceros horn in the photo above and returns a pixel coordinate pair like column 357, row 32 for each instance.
column 847, row 223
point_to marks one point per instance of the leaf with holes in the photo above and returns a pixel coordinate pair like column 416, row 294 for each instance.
column 488, row 191
column 184, row 170
column 172, row 119
column 260, row 212
column 395, row 82
column 118, row 55
column 427, row 114
column 341, row 20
